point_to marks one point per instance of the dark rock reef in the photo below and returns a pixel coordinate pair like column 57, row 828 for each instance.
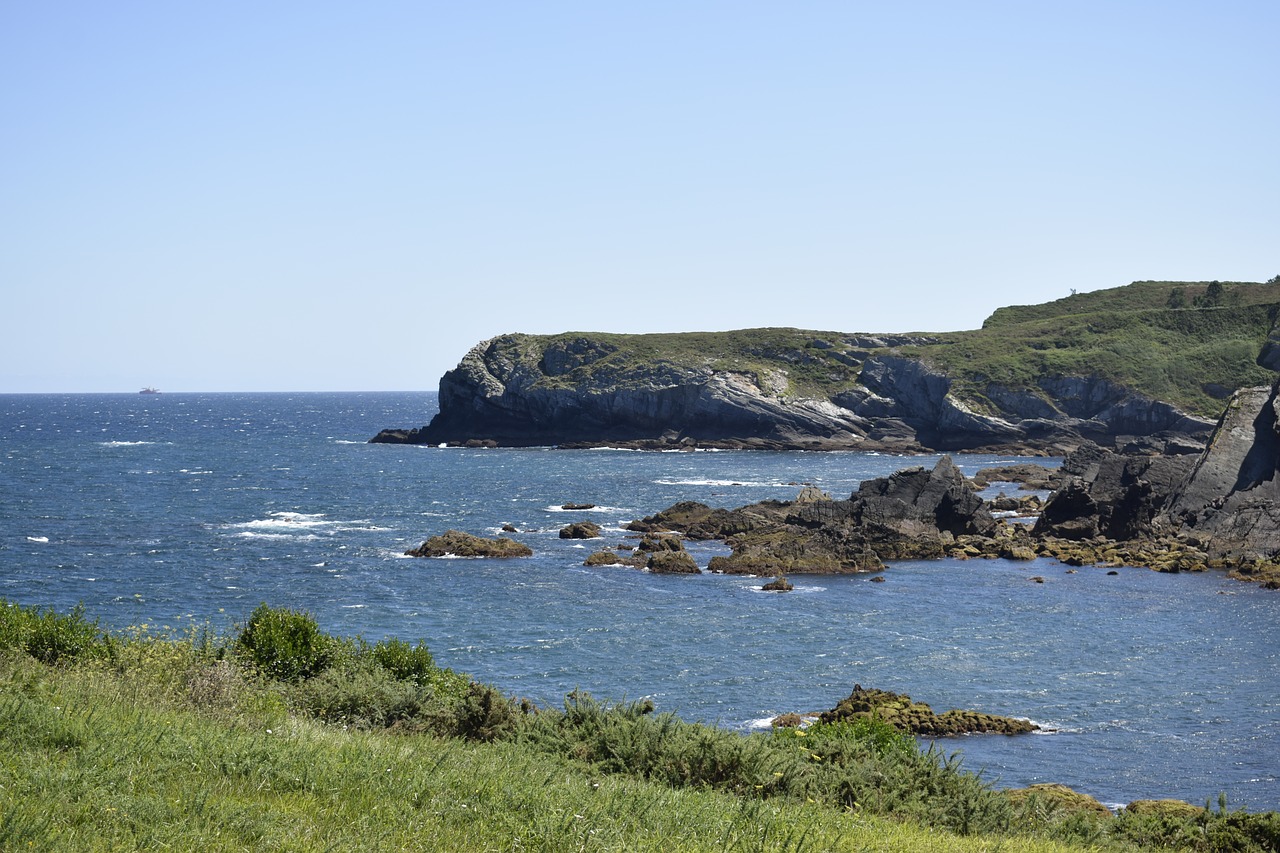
column 916, row 513
column 455, row 543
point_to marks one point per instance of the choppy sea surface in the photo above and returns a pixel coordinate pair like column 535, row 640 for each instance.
column 174, row 508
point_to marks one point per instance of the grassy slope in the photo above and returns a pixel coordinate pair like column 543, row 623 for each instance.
column 1125, row 334
column 100, row 759
column 145, row 741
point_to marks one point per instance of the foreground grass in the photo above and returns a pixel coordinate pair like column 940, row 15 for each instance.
column 284, row 738
column 96, row 760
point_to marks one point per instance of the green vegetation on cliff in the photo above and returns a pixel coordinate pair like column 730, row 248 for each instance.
column 150, row 740
column 1189, row 344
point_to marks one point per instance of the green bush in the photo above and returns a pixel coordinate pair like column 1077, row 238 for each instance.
column 405, row 662
column 286, row 644
column 357, row 694
column 50, row 637
column 485, row 715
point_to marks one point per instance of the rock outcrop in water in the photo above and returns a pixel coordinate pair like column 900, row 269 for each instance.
column 917, row 718
column 1219, row 509
column 916, row 513
column 455, row 543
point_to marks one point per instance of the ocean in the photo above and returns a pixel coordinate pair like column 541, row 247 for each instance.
column 168, row 510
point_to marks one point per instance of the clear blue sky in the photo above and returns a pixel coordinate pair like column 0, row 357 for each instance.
column 347, row 196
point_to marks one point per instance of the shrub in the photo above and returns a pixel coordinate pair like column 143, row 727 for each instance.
column 405, row 662
column 485, row 715
column 50, row 637
column 363, row 695
column 286, row 644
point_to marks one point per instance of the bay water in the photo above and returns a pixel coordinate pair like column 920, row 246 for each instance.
column 173, row 509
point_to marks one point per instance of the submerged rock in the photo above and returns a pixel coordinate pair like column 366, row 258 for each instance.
column 455, row 543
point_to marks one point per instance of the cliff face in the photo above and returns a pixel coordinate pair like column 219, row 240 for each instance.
column 1040, row 380
column 521, row 391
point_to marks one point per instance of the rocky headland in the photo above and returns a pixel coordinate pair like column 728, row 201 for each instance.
column 1146, row 367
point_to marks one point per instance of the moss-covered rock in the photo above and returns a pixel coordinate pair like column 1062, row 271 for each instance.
column 899, row 711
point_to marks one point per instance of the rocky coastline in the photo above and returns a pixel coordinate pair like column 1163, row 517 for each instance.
column 1216, row 509
column 1119, row 368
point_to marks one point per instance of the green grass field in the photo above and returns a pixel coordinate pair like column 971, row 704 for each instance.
column 149, row 741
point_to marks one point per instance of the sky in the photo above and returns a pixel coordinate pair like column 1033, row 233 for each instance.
column 288, row 196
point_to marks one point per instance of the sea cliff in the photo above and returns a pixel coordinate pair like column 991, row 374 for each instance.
column 1152, row 362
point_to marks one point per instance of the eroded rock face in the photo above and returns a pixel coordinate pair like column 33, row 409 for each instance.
column 1230, row 501
column 1220, row 509
column 519, row 390
column 1110, row 495
column 455, row 543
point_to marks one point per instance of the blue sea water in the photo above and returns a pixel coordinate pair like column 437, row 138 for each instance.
column 177, row 508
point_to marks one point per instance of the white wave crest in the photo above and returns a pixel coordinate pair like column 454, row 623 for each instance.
column 741, row 483
column 124, row 443
column 37, row 538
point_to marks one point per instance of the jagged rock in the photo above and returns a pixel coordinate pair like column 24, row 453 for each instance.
column 1111, row 495
column 1230, row 502
column 778, row 584
column 1028, row 475
column 1220, row 509
column 455, row 543
column 694, row 520
column 899, row 711
column 580, row 530
column 651, row 544
column 572, row 506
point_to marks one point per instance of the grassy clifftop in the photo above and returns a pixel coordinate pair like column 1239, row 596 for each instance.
column 1187, row 343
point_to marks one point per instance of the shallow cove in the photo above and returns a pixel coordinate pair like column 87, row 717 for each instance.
column 161, row 509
